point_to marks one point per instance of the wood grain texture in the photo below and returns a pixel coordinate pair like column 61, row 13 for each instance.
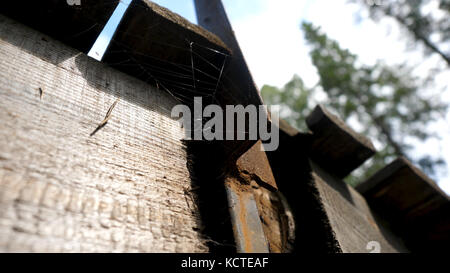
column 352, row 221
column 335, row 146
column 166, row 50
column 121, row 190
column 291, row 168
column 330, row 215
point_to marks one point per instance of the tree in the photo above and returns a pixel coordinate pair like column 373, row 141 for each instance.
column 294, row 99
column 385, row 101
column 432, row 30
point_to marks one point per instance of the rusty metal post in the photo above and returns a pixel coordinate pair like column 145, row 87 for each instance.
column 247, row 228
column 246, row 157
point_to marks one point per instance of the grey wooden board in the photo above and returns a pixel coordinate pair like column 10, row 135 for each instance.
column 121, row 190
column 352, row 222
column 336, row 147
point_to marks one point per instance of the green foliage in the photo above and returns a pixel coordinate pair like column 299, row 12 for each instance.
column 293, row 99
column 385, row 101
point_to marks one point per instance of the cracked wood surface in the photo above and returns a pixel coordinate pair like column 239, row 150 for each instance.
column 121, row 190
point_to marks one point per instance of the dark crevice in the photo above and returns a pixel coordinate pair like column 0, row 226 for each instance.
column 292, row 171
column 205, row 164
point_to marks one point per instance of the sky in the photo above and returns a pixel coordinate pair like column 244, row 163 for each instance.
column 268, row 32
column 101, row 44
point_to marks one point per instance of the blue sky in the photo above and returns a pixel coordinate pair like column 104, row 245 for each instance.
column 100, row 45
column 269, row 34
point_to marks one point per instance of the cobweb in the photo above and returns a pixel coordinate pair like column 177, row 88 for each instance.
column 182, row 81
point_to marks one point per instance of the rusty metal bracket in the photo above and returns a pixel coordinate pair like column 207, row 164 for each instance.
column 249, row 232
column 247, row 228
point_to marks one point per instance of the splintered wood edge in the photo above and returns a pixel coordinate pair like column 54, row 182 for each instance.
column 392, row 168
column 320, row 113
column 184, row 23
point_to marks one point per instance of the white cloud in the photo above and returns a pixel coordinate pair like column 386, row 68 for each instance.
column 272, row 43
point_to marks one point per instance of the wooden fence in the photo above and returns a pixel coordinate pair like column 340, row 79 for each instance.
column 92, row 161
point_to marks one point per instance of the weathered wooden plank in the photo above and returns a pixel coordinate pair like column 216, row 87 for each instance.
column 212, row 16
column 181, row 58
column 417, row 208
column 238, row 86
column 61, row 190
column 292, row 171
column 76, row 25
column 350, row 218
column 336, row 147
column 404, row 189
column 330, row 215
column 158, row 46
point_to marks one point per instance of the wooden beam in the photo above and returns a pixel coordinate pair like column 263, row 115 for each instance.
column 404, row 189
column 350, row 218
column 162, row 48
column 238, row 86
column 335, row 146
column 337, row 216
column 127, row 188
column 239, row 82
column 416, row 207
column 76, row 25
